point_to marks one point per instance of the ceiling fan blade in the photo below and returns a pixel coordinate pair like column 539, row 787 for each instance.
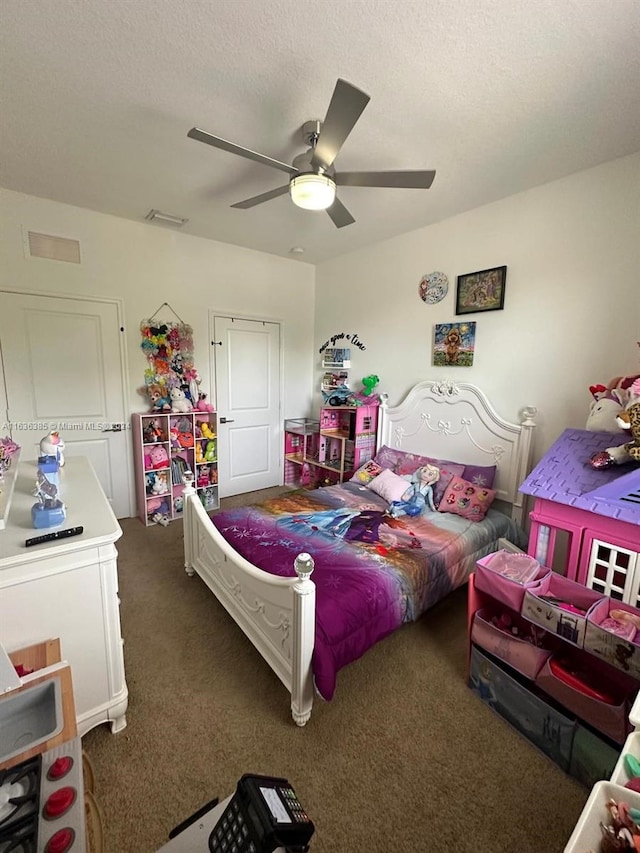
column 339, row 214
column 400, row 180
column 232, row 148
column 345, row 108
column 258, row 199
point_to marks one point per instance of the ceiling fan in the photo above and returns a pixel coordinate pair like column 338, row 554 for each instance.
column 312, row 176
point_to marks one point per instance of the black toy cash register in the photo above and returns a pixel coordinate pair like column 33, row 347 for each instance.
column 263, row 814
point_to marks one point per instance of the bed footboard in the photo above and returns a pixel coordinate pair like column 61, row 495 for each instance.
column 276, row 614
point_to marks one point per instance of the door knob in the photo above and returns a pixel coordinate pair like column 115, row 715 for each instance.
column 226, row 421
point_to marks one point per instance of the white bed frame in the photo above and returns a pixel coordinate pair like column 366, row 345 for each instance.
column 447, row 420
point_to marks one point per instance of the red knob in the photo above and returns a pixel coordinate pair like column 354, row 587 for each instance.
column 59, row 802
column 60, row 767
column 61, row 841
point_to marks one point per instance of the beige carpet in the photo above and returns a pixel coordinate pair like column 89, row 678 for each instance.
column 405, row 758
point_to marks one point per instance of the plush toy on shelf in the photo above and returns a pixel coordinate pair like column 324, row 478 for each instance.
column 206, row 430
column 210, row 451
column 179, row 402
column 160, row 402
column 199, row 453
column 158, row 456
column 161, row 485
column 202, row 405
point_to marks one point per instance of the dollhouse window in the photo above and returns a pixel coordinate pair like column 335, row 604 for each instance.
column 613, row 571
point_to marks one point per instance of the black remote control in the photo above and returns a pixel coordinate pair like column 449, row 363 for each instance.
column 50, row 537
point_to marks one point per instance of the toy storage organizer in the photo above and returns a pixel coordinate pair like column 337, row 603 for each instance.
column 328, row 450
column 539, row 656
column 166, row 444
column 587, row 834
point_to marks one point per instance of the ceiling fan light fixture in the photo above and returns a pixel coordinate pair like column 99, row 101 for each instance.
column 313, row 192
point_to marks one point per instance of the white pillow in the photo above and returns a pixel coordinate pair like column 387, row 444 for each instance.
column 389, row 486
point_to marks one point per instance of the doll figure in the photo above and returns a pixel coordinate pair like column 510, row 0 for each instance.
column 419, row 495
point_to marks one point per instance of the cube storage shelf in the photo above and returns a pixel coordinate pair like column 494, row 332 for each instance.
column 581, row 733
column 324, row 451
column 166, row 444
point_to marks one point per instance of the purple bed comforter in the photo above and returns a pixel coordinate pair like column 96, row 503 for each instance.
column 372, row 572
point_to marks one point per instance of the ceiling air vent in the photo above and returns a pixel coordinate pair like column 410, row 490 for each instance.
column 165, row 218
column 53, row 248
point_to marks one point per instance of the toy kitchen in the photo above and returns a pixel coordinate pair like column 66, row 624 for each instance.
column 45, row 799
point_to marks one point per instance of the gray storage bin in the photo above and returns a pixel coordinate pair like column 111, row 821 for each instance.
column 541, row 723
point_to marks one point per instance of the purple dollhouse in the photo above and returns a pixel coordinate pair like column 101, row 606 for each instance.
column 597, row 511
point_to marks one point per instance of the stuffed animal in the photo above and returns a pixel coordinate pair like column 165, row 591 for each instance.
column 606, row 406
column 419, row 495
column 160, row 486
column 53, row 445
column 369, row 383
column 629, row 419
column 159, row 400
column 202, row 405
column 210, row 451
column 158, row 456
column 179, row 402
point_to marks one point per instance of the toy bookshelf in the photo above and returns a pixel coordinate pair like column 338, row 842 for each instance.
column 166, row 444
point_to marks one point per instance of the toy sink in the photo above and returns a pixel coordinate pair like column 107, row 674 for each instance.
column 30, row 717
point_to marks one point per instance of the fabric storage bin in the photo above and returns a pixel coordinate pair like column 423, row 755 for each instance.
column 560, row 606
column 522, row 655
column 587, row 834
column 538, row 720
column 615, row 650
column 570, row 690
column 593, row 758
column 497, row 574
column 620, row 774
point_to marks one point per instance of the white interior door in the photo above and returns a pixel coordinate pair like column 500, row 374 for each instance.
column 63, row 369
column 247, row 376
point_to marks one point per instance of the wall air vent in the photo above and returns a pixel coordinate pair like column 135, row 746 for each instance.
column 165, row 218
column 53, row 248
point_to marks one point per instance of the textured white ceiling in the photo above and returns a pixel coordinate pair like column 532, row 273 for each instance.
column 496, row 95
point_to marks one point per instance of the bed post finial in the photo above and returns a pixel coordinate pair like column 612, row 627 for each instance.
column 304, row 630
column 188, row 494
column 304, row 566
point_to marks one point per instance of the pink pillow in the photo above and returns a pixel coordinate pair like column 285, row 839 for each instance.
column 389, row 486
column 406, row 463
column 466, row 499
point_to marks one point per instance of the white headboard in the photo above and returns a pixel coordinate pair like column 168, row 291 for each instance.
column 455, row 421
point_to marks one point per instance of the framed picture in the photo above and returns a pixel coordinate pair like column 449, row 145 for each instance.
column 481, row 291
column 454, row 344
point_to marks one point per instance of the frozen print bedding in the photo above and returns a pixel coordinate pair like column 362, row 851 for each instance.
column 372, row 572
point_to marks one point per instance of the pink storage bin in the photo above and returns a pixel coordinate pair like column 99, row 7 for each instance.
column 502, row 575
column 542, row 605
column 612, row 648
column 609, row 718
column 519, row 654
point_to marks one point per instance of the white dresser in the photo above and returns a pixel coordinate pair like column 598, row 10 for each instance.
column 68, row 589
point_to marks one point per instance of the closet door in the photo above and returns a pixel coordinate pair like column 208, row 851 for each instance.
column 247, row 369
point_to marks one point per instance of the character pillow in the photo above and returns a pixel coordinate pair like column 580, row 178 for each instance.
column 466, row 499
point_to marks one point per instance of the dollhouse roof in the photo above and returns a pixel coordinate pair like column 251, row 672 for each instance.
column 565, row 476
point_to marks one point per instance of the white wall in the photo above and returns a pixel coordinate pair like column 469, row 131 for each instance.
column 572, row 307
column 145, row 265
